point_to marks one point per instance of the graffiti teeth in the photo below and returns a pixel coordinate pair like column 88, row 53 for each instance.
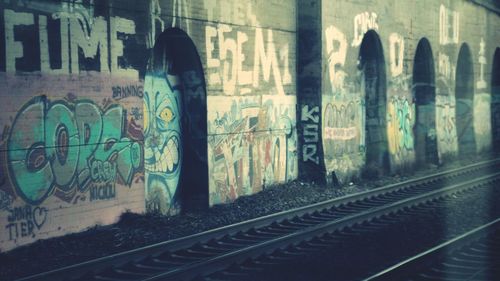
column 174, row 149
column 171, row 155
column 163, row 165
column 168, row 161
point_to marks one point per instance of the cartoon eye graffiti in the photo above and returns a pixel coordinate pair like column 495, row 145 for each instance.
column 167, row 115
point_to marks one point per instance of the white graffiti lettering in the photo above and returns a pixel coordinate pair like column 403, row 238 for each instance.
column 396, row 53
column 309, row 114
column 362, row 23
column 310, row 118
column 14, row 48
column 94, row 40
column 226, row 66
column 156, row 24
column 336, row 56
column 180, row 12
column 481, row 83
column 449, row 22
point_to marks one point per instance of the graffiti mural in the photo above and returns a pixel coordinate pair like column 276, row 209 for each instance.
column 71, row 151
column 343, row 109
column 482, row 105
column 445, row 123
column 251, row 145
column 61, row 147
column 400, row 123
column 344, row 135
column 449, row 23
column 162, row 142
column 252, row 139
column 400, row 107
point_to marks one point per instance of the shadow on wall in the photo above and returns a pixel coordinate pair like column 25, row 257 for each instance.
column 424, row 93
column 175, row 126
column 373, row 84
column 495, row 101
column 464, row 94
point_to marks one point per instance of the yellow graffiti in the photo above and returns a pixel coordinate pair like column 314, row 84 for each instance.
column 400, row 123
column 167, row 115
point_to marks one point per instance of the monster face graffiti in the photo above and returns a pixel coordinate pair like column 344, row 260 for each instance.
column 162, row 139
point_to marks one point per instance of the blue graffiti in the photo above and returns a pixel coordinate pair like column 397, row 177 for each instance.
column 57, row 145
column 162, row 143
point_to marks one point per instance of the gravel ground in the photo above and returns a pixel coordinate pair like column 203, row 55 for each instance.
column 135, row 230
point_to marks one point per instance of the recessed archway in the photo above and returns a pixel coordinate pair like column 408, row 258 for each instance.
column 175, row 126
column 464, row 96
column 373, row 84
column 495, row 101
column 424, row 93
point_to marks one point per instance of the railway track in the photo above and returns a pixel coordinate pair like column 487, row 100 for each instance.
column 212, row 251
column 474, row 255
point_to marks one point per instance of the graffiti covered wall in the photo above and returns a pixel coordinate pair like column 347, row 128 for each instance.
column 343, row 109
column 482, row 103
column 87, row 131
column 344, row 100
column 449, row 25
column 71, row 144
column 252, row 140
column 162, row 143
column 63, row 152
column 343, row 104
column 252, row 144
column 401, row 114
column 72, row 139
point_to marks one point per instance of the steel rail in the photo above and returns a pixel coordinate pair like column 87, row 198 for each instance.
column 417, row 262
column 136, row 255
column 223, row 261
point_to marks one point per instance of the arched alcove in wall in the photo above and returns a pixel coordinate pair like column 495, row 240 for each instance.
column 464, row 97
column 175, row 126
column 495, row 100
column 424, row 93
column 373, row 83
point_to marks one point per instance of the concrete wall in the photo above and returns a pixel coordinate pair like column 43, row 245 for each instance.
column 169, row 106
column 401, row 25
column 250, row 70
column 92, row 125
column 71, row 118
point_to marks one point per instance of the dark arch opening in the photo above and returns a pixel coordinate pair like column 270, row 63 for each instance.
column 495, row 101
column 175, row 126
column 424, row 93
column 372, row 66
column 464, row 95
